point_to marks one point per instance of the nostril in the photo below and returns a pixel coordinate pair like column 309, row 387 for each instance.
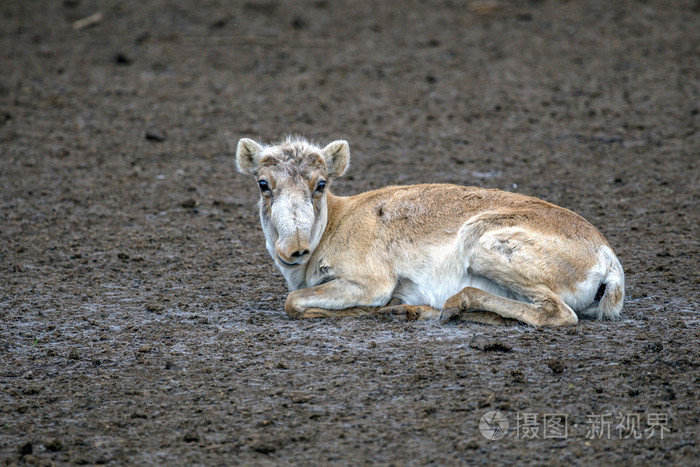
column 300, row 253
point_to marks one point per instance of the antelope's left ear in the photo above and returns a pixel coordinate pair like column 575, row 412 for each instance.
column 337, row 157
column 247, row 156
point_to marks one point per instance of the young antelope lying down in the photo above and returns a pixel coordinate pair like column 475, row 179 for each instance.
column 425, row 251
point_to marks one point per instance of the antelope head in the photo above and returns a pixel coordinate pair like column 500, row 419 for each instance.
column 293, row 177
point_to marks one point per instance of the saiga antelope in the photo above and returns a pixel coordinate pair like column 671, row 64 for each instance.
column 425, row 251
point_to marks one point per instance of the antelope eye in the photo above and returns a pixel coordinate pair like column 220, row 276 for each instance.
column 264, row 186
column 321, row 186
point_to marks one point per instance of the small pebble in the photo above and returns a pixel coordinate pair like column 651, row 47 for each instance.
column 121, row 59
column 556, row 366
column 53, row 445
column 191, row 437
column 155, row 136
column 189, row 203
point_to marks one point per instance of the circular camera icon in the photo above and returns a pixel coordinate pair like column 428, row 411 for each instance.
column 493, row 425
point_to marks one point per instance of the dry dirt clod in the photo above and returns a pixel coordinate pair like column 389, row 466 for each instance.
column 154, row 307
column 191, row 437
column 489, row 345
column 556, row 366
column 53, row 445
column 301, row 399
column 263, row 447
column 517, row 376
column 189, row 203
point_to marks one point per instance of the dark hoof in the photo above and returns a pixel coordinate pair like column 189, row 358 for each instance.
column 447, row 314
column 294, row 314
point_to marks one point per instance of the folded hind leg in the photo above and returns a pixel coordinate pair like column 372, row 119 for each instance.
column 524, row 263
column 546, row 309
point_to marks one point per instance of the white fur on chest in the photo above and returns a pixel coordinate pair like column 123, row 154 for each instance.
column 444, row 271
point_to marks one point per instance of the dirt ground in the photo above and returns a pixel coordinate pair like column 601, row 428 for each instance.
column 141, row 320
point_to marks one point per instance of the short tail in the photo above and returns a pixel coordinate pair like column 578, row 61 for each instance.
column 610, row 305
column 610, row 296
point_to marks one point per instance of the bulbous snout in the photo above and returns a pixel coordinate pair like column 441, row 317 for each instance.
column 293, row 253
column 293, row 218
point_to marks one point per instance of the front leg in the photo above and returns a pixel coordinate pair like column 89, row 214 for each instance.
column 338, row 298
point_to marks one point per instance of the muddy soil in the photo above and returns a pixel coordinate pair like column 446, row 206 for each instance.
column 141, row 320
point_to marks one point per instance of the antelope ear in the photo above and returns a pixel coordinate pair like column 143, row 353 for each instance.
column 337, row 157
column 247, row 156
